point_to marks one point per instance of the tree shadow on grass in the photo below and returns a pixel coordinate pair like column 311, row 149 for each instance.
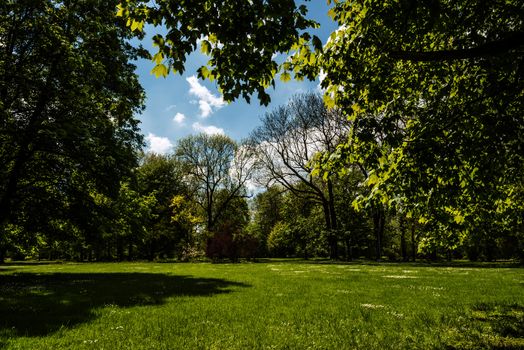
column 39, row 304
column 506, row 320
column 496, row 326
column 31, row 263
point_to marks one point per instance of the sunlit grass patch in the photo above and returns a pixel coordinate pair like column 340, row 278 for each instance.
column 372, row 306
column 400, row 276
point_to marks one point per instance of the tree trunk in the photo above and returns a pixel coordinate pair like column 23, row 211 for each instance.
column 403, row 243
column 349, row 250
column 334, row 223
column 10, row 189
column 378, row 226
column 413, row 242
column 306, row 256
column 130, row 251
column 25, row 149
column 151, row 255
column 109, row 252
column 331, row 238
column 120, row 248
column 97, row 252
column 2, row 255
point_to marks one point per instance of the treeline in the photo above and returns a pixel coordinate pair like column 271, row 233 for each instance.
column 196, row 203
column 419, row 154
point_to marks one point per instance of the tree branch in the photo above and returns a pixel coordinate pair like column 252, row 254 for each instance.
column 510, row 42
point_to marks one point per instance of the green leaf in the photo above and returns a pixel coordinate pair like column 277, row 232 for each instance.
column 158, row 57
column 204, row 72
column 160, row 70
column 372, row 179
column 329, row 101
column 205, row 47
column 137, row 25
column 285, row 77
column 459, row 219
column 120, row 10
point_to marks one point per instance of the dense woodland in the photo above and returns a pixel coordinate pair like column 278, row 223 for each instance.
column 414, row 150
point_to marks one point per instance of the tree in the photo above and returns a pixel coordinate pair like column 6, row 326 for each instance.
column 68, row 96
column 187, row 216
column 266, row 209
column 229, row 238
column 280, row 241
column 434, row 90
column 303, row 218
column 286, row 145
column 217, row 172
column 161, row 177
column 355, row 225
column 134, row 212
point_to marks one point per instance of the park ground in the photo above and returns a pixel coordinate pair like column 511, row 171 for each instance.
column 275, row 304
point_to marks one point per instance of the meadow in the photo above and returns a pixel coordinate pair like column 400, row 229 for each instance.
column 286, row 304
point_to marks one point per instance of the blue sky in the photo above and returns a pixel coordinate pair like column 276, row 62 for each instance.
column 177, row 106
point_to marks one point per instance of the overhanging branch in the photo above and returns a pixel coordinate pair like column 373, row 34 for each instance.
column 493, row 48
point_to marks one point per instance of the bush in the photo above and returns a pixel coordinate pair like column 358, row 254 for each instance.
column 280, row 242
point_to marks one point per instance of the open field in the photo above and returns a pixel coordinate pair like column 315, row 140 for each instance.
column 270, row 305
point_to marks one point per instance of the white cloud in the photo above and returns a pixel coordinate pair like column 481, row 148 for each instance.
column 205, row 108
column 179, row 118
column 170, row 107
column 157, row 144
column 208, row 129
column 206, row 100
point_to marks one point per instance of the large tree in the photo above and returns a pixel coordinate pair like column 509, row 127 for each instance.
column 266, row 211
column 161, row 177
column 286, row 145
column 218, row 171
column 68, row 96
column 435, row 89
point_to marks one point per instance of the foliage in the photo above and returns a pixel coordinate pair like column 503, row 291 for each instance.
column 355, row 225
column 68, row 96
column 217, row 171
column 286, row 145
column 135, row 211
column 266, row 211
column 435, row 93
column 185, row 213
column 419, row 139
column 280, row 241
column 228, row 238
column 240, row 37
column 162, row 177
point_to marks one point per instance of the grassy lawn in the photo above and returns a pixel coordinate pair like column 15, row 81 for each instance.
column 270, row 305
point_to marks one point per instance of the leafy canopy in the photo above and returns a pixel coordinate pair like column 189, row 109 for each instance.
column 435, row 91
column 68, row 96
column 240, row 37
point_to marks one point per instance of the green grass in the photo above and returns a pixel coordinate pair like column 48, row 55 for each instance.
column 270, row 305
